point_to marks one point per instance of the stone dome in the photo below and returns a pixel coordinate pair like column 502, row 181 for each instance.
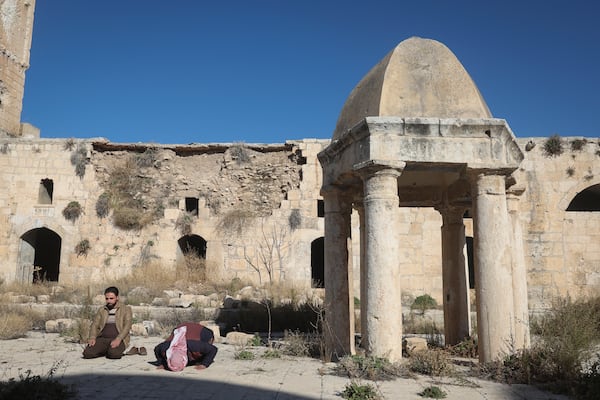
column 418, row 78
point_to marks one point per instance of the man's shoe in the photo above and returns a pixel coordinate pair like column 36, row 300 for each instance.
column 133, row 351
column 142, row 351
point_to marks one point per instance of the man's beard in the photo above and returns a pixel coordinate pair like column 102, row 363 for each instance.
column 110, row 306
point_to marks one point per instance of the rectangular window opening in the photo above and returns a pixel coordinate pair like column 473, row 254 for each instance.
column 45, row 192
column 191, row 205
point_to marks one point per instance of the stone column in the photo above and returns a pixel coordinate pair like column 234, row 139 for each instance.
column 339, row 300
column 493, row 267
column 383, row 309
column 519, row 270
column 457, row 319
column 359, row 206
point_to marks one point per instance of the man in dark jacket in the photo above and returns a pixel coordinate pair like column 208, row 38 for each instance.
column 109, row 333
column 199, row 340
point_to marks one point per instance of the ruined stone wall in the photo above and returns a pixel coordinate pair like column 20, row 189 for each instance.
column 16, row 24
column 252, row 198
column 245, row 194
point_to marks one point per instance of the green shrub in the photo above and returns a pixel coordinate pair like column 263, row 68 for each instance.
column 243, row 355
column 271, row 353
column 72, row 211
column 424, row 302
column 553, row 146
column 357, row 391
column 433, row 392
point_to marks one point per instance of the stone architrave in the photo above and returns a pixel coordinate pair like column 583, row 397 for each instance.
column 519, row 270
column 493, row 267
column 457, row 321
column 339, row 300
column 383, row 279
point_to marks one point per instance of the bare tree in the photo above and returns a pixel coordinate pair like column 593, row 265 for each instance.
column 271, row 251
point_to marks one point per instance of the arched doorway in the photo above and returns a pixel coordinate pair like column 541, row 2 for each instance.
column 39, row 256
column 192, row 255
column 586, row 200
column 317, row 263
column 193, row 244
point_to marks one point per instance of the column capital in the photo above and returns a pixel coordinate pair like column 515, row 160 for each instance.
column 379, row 167
column 451, row 215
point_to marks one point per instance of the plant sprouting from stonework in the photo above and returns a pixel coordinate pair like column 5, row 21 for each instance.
column 79, row 160
column 578, row 144
column 184, row 223
column 239, row 152
column 570, row 171
column 69, row 144
column 295, row 219
column 72, row 211
column 148, row 158
column 82, row 247
column 235, row 221
column 103, row 205
column 553, row 146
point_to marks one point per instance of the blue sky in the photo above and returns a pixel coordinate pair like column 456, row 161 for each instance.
column 184, row 71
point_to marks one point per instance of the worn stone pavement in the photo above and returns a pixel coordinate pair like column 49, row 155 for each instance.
column 135, row 377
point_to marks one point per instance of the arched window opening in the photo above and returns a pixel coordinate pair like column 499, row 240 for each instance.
column 317, row 262
column 39, row 256
column 586, row 200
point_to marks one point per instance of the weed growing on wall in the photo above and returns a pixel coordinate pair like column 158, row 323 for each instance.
column 83, row 247
column 125, row 187
column 553, row 146
column 578, row 144
column 295, row 219
column 103, row 205
column 79, row 160
column 239, row 152
column 72, row 211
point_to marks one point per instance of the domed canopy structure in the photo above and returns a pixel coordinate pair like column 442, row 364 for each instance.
column 419, row 78
column 416, row 132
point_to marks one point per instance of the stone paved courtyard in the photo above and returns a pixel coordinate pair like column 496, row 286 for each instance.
column 135, row 377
